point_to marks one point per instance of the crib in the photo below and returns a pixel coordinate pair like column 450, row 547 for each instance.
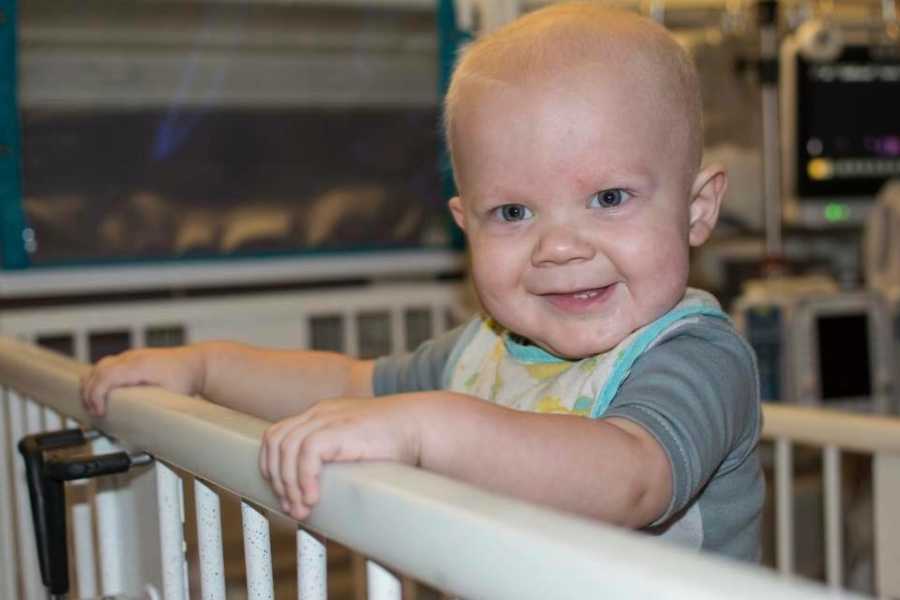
column 162, row 530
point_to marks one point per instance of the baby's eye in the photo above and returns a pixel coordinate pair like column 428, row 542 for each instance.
column 512, row 212
column 610, row 198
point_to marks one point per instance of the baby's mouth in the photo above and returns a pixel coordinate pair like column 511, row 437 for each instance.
column 579, row 300
column 583, row 293
column 587, row 294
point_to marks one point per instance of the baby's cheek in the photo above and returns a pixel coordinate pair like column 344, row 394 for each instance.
column 663, row 277
column 665, row 252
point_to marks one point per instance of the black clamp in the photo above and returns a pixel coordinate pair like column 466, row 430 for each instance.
column 46, row 476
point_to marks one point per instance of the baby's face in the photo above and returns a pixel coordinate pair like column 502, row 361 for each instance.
column 575, row 196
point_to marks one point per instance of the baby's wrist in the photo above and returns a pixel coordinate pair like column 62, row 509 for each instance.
column 198, row 357
column 439, row 418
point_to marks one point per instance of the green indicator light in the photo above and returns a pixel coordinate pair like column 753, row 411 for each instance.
column 836, row 212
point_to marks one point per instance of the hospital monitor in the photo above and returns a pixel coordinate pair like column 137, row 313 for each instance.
column 764, row 313
column 840, row 89
column 841, row 353
column 817, row 345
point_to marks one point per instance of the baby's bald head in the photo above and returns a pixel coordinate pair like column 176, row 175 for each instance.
column 581, row 37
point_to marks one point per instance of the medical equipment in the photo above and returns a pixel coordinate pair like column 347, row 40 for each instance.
column 818, row 346
column 881, row 240
column 767, row 13
column 842, row 351
column 840, row 88
column 762, row 313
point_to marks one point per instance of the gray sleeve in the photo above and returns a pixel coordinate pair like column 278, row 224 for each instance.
column 417, row 371
column 696, row 392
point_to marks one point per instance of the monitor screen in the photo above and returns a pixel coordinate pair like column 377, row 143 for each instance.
column 848, row 125
column 844, row 356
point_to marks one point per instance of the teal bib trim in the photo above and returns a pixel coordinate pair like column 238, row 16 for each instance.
column 626, row 359
column 529, row 353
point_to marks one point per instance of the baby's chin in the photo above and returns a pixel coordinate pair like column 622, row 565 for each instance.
column 577, row 350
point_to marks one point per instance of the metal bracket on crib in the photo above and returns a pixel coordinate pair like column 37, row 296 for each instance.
column 46, row 475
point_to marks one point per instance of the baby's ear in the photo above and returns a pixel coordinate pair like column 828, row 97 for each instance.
column 706, row 199
column 456, row 209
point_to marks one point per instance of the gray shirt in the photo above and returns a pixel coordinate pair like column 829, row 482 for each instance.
column 696, row 392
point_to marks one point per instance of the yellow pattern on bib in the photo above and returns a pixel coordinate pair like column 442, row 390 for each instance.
column 536, row 381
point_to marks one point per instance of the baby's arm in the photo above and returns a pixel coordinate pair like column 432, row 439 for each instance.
column 609, row 469
column 271, row 384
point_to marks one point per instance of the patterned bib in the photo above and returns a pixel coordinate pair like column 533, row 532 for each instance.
column 494, row 366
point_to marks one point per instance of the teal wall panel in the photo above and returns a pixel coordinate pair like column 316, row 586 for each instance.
column 12, row 219
column 450, row 39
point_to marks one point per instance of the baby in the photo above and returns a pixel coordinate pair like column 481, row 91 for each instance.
column 595, row 382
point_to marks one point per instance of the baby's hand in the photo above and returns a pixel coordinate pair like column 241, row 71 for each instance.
column 178, row 370
column 294, row 450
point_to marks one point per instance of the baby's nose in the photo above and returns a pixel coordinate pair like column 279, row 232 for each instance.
column 562, row 244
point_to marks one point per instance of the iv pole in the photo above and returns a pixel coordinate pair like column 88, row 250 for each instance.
column 767, row 15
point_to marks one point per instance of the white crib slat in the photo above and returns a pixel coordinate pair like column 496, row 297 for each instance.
column 381, row 584
column 351, row 333
column 784, row 505
column 398, row 330
column 9, row 576
column 171, row 526
column 81, row 496
column 52, row 420
column 886, row 487
column 29, row 568
column 34, row 422
column 834, row 542
column 80, row 499
column 209, row 541
column 305, row 337
column 312, row 566
column 108, row 518
column 138, row 336
column 257, row 553
column 82, row 352
column 108, row 541
column 439, row 319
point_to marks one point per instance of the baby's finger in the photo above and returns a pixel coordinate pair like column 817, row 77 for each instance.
column 271, row 437
column 299, row 511
column 290, row 449
column 89, row 394
column 99, row 393
column 98, row 399
column 101, row 380
column 272, row 441
column 87, row 383
column 83, row 387
column 264, row 461
column 323, row 445
column 264, row 469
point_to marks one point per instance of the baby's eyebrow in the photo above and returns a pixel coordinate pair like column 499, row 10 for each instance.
column 616, row 178
column 496, row 195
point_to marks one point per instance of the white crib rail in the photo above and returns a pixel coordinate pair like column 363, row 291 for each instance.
column 277, row 319
column 835, row 432
column 452, row 536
